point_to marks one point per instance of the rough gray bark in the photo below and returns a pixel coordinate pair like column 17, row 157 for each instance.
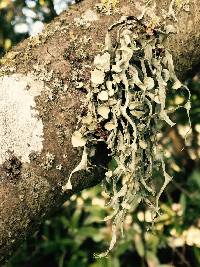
column 56, row 62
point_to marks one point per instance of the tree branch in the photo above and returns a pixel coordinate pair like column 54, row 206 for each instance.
column 42, row 83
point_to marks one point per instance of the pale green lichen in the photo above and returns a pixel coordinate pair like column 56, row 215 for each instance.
column 126, row 102
column 49, row 161
column 107, row 6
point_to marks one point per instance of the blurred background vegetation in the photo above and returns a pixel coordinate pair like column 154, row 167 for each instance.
column 72, row 236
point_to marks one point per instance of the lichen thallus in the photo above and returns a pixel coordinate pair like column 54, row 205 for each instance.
column 126, row 101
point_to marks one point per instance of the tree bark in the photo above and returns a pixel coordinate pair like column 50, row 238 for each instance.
column 42, row 84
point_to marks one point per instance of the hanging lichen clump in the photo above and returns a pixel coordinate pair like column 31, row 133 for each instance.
column 126, row 102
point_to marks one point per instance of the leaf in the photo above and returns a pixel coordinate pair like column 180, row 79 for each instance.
column 195, row 179
column 92, row 232
column 183, row 202
column 74, row 222
column 139, row 245
column 152, row 259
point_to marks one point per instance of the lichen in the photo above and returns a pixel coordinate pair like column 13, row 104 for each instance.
column 86, row 19
column 49, row 161
column 21, row 127
column 126, row 103
column 107, row 6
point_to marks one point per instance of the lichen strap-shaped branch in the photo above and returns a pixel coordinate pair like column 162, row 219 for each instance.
column 125, row 103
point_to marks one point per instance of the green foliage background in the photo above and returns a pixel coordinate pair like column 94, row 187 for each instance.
column 72, row 236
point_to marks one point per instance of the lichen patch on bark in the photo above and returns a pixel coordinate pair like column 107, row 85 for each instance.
column 87, row 18
column 21, row 129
